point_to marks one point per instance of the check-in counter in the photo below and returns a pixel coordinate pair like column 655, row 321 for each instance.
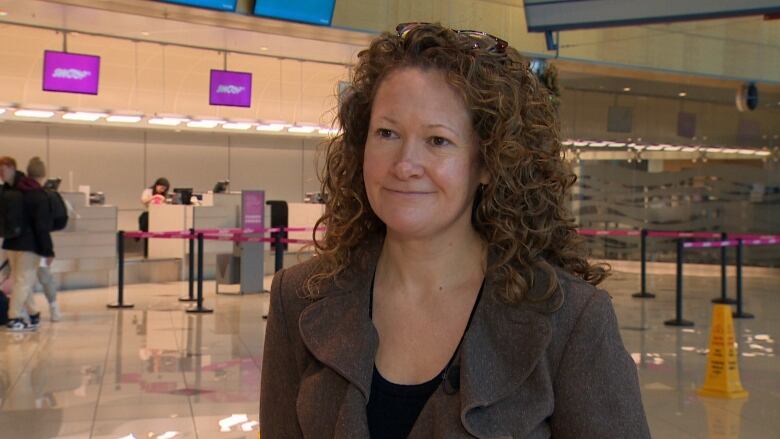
column 86, row 249
column 223, row 214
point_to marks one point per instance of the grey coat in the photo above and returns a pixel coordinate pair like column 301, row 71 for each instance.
column 557, row 369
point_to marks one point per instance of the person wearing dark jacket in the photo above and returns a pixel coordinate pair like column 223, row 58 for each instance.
column 26, row 249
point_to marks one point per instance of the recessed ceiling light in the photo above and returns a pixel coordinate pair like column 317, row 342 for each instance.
column 273, row 127
column 263, row 49
column 237, row 126
column 3, row 13
column 682, row 94
column 38, row 114
column 118, row 118
column 167, row 121
column 83, row 116
column 301, row 129
column 146, row 34
column 204, row 123
column 626, row 88
column 2, row 110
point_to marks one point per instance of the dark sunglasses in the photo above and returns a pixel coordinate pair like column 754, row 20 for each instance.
column 480, row 40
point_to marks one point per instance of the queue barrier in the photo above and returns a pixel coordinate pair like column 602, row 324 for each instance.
column 199, row 236
column 278, row 238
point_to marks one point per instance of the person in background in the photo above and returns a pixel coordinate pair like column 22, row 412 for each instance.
column 25, row 250
column 157, row 194
column 221, row 187
column 36, row 170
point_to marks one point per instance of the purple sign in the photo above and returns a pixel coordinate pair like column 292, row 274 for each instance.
column 252, row 209
column 70, row 72
column 233, row 89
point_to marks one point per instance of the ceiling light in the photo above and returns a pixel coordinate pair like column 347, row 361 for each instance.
column 38, row 114
column 2, row 110
column 713, row 149
column 167, row 121
column 263, row 49
column 689, row 149
column 581, row 143
column 567, row 143
column 730, row 151
column 763, row 153
column 118, row 118
column 146, row 34
column 204, row 123
column 682, row 94
column 328, row 131
column 747, row 151
column 616, row 144
column 672, row 148
column 83, row 116
column 654, row 147
column 237, row 125
column 3, row 13
column 626, row 88
column 301, row 129
column 597, row 144
column 276, row 127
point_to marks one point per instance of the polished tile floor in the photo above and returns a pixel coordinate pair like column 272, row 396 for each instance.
column 157, row 372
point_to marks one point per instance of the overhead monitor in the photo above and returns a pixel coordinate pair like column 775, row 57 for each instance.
column 232, row 89
column 221, row 5
column 556, row 15
column 304, row 11
column 71, row 72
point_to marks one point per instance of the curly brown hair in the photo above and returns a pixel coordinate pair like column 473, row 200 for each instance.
column 521, row 214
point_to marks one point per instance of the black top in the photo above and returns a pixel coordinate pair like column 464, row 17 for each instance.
column 393, row 408
column 35, row 217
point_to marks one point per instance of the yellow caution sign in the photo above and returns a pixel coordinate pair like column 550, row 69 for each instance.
column 722, row 380
column 723, row 417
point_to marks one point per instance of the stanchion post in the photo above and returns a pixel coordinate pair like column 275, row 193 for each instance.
column 678, row 320
column 191, row 269
column 199, row 309
column 740, row 314
column 279, row 251
column 724, row 284
column 643, row 294
column 120, row 273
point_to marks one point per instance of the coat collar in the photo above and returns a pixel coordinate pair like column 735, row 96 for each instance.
column 499, row 351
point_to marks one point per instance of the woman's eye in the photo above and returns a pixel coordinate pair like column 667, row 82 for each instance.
column 384, row 133
column 439, row 141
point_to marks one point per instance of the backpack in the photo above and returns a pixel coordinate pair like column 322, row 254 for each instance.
column 59, row 211
column 11, row 213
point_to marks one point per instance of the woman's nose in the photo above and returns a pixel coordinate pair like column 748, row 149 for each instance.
column 408, row 164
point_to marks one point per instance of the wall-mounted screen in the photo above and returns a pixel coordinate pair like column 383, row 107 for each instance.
column 556, row 15
column 305, row 11
column 233, row 89
column 221, row 5
column 70, row 72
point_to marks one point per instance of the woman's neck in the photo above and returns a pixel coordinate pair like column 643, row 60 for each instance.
column 431, row 265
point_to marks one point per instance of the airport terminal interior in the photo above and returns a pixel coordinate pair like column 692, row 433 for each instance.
column 669, row 117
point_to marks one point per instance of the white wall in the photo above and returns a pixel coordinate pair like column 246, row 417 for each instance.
column 121, row 162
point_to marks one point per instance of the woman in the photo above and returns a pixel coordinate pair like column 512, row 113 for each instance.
column 157, row 194
column 450, row 296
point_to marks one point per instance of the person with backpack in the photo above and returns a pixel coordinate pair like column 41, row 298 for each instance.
column 27, row 223
column 36, row 170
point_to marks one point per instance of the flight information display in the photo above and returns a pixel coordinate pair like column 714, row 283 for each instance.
column 221, row 5
column 556, row 15
column 304, row 11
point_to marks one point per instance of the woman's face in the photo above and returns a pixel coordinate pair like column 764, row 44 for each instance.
column 421, row 166
column 160, row 189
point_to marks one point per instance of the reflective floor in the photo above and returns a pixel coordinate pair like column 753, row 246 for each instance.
column 155, row 371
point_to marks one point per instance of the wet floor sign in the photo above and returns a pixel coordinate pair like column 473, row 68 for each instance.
column 722, row 380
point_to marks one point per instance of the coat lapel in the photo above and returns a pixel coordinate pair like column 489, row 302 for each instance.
column 503, row 345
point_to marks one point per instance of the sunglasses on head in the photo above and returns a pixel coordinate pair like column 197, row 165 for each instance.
column 480, row 40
